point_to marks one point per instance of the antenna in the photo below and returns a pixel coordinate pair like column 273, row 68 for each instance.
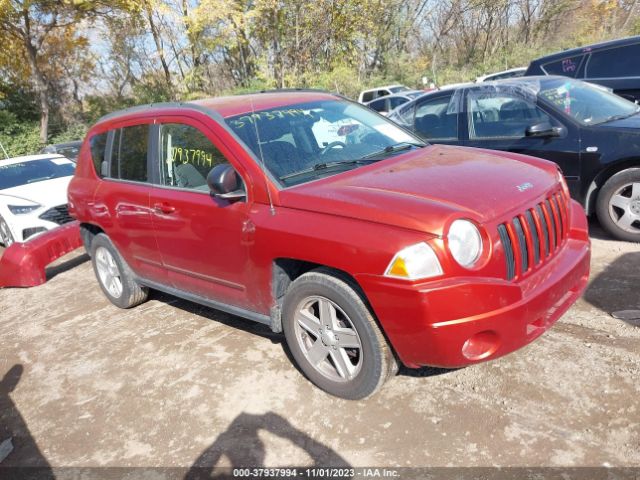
column 262, row 164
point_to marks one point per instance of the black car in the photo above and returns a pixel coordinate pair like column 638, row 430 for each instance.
column 592, row 134
column 69, row 149
column 614, row 64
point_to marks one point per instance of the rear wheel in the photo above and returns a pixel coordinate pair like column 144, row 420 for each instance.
column 6, row 238
column 333, row 336
column 114, row 276
column 618, row 205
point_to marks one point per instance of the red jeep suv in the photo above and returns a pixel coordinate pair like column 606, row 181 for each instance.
column 322, row 219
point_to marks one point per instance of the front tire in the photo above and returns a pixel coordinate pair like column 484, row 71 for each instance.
column 618, row 206
column 333, row 336
column 6, row 238
column 114, row 275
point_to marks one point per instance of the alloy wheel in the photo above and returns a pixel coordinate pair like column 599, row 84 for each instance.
column 624, row 207
column 108, row 272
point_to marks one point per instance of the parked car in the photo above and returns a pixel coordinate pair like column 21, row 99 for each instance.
column 385, row 104
column 362, row 251
column 614, row 64
column 511, row 73
column 593, row 135
column 371, row 94
column 33, row 195
column 69, row 149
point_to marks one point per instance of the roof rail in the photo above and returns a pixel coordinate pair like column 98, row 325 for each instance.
column 139, row 108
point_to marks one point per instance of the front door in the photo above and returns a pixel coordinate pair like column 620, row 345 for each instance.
column 201, row 239
column 499, row 120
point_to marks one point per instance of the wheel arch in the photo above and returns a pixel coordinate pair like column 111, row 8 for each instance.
column 601, row 178
column 87, row 232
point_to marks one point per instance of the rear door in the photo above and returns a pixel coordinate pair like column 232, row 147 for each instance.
column 498, row 119
column 203, row 240
column 121, row 203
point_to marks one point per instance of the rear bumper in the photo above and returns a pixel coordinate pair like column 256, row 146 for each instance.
column 460, row 321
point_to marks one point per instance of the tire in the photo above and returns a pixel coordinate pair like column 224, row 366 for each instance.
column 114, row 275
column 618, row 206
column 6, row 238
column 356, row 370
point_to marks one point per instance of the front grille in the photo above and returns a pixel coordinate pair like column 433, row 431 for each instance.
column 534, row 236
column 59, row 215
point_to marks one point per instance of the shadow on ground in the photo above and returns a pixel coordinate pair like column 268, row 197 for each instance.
column 243, row 448
column 617, row 287
column 65, row 266
column 20, row 448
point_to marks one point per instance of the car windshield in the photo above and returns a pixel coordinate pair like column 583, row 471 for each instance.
column 586, row 103
column 302, row 142
column 32, row 171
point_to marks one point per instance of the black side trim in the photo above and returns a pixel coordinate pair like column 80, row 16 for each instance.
column 224, row 307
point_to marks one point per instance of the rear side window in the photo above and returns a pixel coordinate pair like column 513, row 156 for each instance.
column 129, row 156
column 615, row 62
column 367, row 96
column 567, row 67
column 379, row 105
column 435, row 120
column 98, row 145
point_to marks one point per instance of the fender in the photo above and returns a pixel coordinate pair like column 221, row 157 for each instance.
column 23, row 264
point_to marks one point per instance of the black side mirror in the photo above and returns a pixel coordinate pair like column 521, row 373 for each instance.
column 543, row 129
column 224, row 182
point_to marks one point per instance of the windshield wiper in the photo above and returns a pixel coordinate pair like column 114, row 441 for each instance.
column 398, row 147
column 322, row 166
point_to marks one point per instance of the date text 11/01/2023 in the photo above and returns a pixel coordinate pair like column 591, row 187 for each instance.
column 315, row 472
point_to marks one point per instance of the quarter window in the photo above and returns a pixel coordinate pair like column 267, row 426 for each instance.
column 129, row 157
column 187, row 156
column 434, row 119
column 567, row 67
column 98, row 145
column 501, row 116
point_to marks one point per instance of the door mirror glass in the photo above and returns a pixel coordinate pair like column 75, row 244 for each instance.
column 224, row 182
column 543, row 129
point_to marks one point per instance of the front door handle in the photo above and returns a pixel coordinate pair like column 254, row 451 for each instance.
column 164, row 208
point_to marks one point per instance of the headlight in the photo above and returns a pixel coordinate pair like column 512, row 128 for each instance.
column 414, row 262
column 22, row 209
column 465, row 242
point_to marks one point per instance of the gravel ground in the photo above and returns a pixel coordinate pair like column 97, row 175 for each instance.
column 171, row 383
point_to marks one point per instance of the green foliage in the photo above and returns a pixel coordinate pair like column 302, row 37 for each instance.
column 18, row 137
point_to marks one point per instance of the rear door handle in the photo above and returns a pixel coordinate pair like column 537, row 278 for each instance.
column 164, row 208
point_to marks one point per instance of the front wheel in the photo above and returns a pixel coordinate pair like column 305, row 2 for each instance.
column 618, row 206
column 6, row 238
column 333, row 336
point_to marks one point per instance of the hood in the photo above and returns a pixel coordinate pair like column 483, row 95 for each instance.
column 49, row 193
column 625, row 123
column 423, row 189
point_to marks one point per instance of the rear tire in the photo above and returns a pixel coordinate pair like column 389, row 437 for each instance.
column 116, row 279
column 333, row 336
column 618, row 206
column 6, row 238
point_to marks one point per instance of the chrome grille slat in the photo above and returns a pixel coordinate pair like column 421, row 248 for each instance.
column 531, row 238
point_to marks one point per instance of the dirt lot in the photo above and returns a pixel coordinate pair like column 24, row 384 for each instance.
column 174, row 384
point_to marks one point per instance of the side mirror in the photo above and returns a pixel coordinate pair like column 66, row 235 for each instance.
column 224, row 182
column 543, row 129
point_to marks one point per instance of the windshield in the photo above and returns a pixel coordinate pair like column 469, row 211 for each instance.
column 23, row 173
column 302, row 142
column 586, row 103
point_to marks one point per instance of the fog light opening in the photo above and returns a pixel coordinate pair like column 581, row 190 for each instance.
column 481, row 345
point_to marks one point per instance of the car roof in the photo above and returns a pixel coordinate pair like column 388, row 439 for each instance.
column 233, row 105
column 587, row 48
column 382, row 87
column 404, row 94
column 30, row 158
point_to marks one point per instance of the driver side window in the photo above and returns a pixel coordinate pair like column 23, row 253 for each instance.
column 186, row 157
column 494, row 115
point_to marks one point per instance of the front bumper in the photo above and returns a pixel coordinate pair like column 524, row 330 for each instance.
column 459, row 321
